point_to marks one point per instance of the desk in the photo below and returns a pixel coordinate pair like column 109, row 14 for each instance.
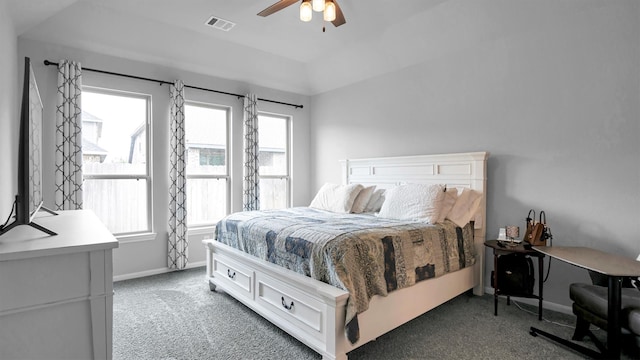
column 615, row 267
column 517, row 249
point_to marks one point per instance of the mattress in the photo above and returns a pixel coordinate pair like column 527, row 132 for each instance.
column 360, row 253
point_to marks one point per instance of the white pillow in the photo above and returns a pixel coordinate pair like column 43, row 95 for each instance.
column 375, row 202
column 413, row 201
column 450, row 197
column 465, row 207
column 362, row 199
column 336, row 198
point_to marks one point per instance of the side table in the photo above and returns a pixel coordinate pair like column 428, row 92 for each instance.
column 499, row 249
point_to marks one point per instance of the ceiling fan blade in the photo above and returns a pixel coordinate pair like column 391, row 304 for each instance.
column 277, row 7
column 339, row 16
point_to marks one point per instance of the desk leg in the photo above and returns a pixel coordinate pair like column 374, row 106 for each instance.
column 613, row 326
column 584, row 350
column 540, row 285
column 613, row 320
column 495, row 283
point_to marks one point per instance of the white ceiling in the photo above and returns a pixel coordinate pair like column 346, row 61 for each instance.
column 278, row 51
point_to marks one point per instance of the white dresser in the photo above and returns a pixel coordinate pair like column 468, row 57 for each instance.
column 56, row 292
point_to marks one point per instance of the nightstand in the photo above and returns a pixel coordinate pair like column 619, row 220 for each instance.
column 498, row 251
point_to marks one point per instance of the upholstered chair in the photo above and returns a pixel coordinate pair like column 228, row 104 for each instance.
column 590, row 307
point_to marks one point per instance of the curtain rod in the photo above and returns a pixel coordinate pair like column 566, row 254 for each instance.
column 47, row 63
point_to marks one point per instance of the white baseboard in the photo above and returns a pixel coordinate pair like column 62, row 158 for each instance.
column 155, row 272
column 564, row 309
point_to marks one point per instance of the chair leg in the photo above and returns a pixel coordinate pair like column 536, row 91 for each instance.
column 582, row 329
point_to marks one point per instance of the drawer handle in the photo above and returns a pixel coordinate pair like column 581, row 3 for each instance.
column 230, row 275
column 284, row 304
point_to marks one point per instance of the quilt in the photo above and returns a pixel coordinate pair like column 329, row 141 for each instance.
column 359, row 253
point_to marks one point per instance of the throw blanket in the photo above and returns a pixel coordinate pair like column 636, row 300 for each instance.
column 360, row 253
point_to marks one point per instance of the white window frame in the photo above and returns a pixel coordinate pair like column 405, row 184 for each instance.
column 289, row 120
column 149, row 233
column 206, row 228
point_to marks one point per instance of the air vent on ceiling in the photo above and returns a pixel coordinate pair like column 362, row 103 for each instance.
column 220, row 24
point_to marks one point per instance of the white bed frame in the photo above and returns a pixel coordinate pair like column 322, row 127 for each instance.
column 314, row 312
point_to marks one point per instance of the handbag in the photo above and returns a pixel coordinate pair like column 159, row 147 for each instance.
column 537, row 232
column 515, row 275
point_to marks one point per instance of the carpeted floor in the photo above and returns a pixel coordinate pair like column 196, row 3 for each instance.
column 176, row 316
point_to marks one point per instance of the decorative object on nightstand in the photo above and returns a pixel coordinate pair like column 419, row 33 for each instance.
column 512, row 234
column 537, row 232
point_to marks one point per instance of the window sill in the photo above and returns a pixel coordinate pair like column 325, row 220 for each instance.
column 205, row 230
column 136, row 238
column 125, row 239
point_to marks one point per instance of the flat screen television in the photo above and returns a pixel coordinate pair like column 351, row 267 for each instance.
column 29, row 199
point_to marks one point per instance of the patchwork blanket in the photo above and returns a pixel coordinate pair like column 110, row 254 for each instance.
column 360, row 253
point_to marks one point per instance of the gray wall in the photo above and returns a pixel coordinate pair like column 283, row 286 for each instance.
column 9, row 113
column 552, row 92
column 148, row 257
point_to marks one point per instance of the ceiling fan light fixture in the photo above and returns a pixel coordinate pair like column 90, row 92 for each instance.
column 306, row 11
column 329, row 11
column 318, row 5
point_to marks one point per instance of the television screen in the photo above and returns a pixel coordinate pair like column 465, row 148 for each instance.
column 35, row 143
column 29, row 198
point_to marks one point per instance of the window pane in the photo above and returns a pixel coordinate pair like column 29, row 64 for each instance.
column 206, row 140
column 121, row 204
column 272, row 140
column 206, row 201
column 114, row 139
column 273, row 193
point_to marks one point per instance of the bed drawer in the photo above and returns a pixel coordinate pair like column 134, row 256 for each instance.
column 234, row 277
column 295, row 307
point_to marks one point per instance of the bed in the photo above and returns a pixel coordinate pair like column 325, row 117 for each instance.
column 315, row 312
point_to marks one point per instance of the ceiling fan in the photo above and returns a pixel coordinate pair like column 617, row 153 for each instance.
column 329, row 7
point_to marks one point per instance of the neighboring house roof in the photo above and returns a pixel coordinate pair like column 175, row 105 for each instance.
column 134, row 137
column 90, row 117
column 138, row 131
column 91, row 148
column 93, row 126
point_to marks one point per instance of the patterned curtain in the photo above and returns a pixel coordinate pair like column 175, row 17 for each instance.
column 251, row 185
column 178, row 245
column 68, row 173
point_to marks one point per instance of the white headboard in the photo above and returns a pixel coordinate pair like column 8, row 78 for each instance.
column 455, row 170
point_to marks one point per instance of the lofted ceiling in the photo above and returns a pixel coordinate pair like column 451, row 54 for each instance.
column 278, row 51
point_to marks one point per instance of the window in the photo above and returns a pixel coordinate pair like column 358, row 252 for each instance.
column 273, row 159
column 207, row 139
column 116, row 160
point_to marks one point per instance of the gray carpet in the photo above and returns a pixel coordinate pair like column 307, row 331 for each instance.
column 175, row 316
